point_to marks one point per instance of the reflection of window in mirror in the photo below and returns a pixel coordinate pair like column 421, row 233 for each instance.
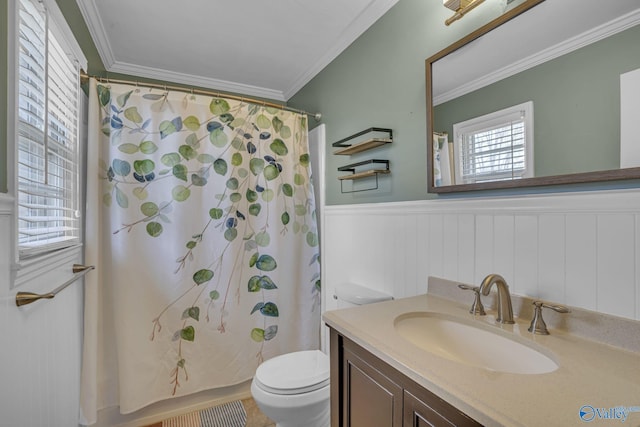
column 495, row 147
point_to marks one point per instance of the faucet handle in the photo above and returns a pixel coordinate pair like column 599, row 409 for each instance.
column 476, row 307
column 537, row 323
column 555, row 307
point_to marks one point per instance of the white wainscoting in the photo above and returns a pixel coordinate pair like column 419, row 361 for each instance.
column 41, row 342
column 580, row 249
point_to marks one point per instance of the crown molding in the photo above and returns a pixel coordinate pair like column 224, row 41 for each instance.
column 366, row 19
column 90, row 13
column 588, row 37
column 98, row 33
column 194, row 80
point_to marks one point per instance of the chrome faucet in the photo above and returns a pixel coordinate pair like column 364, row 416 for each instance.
column 505, row 311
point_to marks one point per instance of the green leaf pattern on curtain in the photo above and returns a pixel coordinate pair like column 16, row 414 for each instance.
column 245, row 161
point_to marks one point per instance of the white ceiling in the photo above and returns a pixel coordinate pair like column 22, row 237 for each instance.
column 267, row 49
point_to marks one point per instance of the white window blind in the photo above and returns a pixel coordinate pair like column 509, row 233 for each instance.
column 494, row 147
column 47, row 146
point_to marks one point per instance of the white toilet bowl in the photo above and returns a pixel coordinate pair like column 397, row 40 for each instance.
column 293, row 389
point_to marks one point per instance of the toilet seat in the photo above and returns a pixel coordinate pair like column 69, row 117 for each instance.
column 294, row 373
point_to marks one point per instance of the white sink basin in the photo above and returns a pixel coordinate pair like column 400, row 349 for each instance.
column 470, row 343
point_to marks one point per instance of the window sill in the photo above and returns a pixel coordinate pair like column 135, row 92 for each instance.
column 43, row 271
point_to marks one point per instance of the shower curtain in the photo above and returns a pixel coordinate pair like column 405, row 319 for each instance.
column 201, row 222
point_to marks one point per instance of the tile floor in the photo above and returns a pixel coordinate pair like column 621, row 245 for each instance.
column 255, row 418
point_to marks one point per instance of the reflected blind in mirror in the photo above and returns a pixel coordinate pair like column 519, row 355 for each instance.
column 494, row 147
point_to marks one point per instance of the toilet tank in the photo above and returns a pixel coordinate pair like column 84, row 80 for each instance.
column 352, row 294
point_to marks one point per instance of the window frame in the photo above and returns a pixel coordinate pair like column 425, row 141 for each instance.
column 490, row 120
column 26, row 269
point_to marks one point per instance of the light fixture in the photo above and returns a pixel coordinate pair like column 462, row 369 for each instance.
column 460, row 7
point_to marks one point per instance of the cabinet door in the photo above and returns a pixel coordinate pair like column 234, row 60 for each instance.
column 370, row 398
column 435, row 413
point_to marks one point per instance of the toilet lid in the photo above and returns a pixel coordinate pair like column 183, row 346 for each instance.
column 359, row 295
column 294, row 373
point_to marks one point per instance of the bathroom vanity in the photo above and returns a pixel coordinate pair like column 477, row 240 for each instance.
column 372, row 393
column 389, row 368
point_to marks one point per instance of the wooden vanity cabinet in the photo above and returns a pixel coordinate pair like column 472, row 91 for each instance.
column 367, row 392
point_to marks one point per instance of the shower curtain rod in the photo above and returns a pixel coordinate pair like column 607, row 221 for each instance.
column 316, row 116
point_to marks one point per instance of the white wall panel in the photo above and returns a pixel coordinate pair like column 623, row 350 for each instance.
column 421, row 261
column 450, row 246
column 616, row 264
column 580, row 249
column 503, row 246
column 525, row 280
column 466, row 247
column 374, row 244
column 581, row 260
column 551, row 257
column 410, row 262
column 484, row 247
column 395, row 252
column 435, row 241
column 41, row 343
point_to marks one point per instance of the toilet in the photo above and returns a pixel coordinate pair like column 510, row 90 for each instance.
column 293, row 389
column 352, row 295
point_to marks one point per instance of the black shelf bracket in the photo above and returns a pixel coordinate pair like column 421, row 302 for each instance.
column 370, row 173
column 341, row 143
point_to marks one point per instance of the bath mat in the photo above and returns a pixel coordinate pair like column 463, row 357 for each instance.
column 230, row 414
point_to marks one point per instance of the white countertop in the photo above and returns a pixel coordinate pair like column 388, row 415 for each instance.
column 590, row 373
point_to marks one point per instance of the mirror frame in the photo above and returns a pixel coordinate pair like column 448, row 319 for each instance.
column 573, row 178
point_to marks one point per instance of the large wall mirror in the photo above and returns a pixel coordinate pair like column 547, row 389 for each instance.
column 551, row 89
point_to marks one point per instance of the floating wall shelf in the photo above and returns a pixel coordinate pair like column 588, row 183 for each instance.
column 358, row 146
column 363, row 174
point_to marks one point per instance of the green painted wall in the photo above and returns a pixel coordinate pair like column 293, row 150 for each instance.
column 576, row 105
column 380, row 81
